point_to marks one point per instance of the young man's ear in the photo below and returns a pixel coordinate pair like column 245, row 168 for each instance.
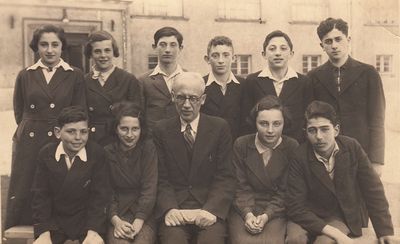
column 57, row 132
column 207, row 59
column 337, row 129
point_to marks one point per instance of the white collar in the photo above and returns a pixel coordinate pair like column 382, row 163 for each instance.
column 194, row 124
column 157, row 70
column 60, row 151
column 105, row 75
column 211, row 79
column 266, row 72
column 261, row 148
column 62, row 63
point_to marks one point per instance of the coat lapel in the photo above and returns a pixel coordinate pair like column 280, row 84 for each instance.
column 341, row 168
column 349, row 77
column 39, row 78
column 256, row 165
column 318, row 169
column 266, row 85
column 214, row 95
column 95, row 86
column 59, row 76
column 112, row 82
column 177, row 145
column 327, row 79
column 288, row 88
column 160, row 85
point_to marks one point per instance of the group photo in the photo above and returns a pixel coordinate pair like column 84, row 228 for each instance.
column 153, row 122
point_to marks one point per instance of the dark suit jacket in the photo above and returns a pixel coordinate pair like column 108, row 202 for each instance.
column 360, row 103
column 312, row 196
column 261, row 189
column 71, row 201
column 119, row 86
column 295, row 96
column 207, row 176
column 158, row 103
column 225, row 106
column 133, row 177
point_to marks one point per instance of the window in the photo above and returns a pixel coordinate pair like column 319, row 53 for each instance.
column 312, row 11
column 173, row 8
column 239, row 9
column 242, row 65
column 310, row 62
column 152, row 61
column 384, row 63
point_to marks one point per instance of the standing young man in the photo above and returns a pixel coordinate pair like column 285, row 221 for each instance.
column 328, row 178
column 157, row 83
column 353, row 88
column 280, row 80
column 223, row 88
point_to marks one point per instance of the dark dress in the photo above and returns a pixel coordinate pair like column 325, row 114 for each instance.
column 261, row 189
column 119, row 86
column 133, row 176
column 36, row 107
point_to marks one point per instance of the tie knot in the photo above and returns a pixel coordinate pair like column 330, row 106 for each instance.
column 188, row 127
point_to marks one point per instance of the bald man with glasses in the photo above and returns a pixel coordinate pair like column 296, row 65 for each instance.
column 196, row 181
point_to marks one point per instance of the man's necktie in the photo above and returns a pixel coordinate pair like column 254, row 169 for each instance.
column 187, row 134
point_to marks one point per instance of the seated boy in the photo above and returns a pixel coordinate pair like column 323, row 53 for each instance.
column 328, row 178
column 70, row 189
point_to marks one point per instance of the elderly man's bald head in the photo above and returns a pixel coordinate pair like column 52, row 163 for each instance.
column 189, row 79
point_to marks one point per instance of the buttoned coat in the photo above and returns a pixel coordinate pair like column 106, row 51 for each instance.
column 36, row 107
column 120, row 86
column 295, row 96
column 207, row 176
column 261, row 189
column 225, row 106
column 157, row 98
column 71, row 201
column 313, row 196
column 360, row 103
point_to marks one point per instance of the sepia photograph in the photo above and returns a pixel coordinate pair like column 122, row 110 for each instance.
column 200, row 121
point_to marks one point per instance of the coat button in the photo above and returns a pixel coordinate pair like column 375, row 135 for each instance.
column 31, row 134
column 32, row 106
column 93, row 129
column 111, row 107
column 49, row 133
column 52, row 105
column 91, row 109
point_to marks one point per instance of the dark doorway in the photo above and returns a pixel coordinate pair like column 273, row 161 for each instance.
column 74, row 53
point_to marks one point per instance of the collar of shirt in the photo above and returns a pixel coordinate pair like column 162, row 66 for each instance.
column 330, row 162
column 346, row 65
column 194, row 125
column 211, row 79
column 157, row 70
column 104, row 75
column 60, row 151
column 266, row 72
column 261, row 148
column 62, row 64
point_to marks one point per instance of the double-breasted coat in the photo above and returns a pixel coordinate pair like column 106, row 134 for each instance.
column 313, row 197
column 206, row 177
column 360, row 104
column 120, row 86
column 36, row 107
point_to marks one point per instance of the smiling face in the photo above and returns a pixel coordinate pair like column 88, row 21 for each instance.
column 321, row 134
column 220, row 58
column 128, row 131
column 102, row 55
column 278, row 53
column 167, row 49
column 336, row 45
column 269, row 125
column 73, row 135
column 49, row 49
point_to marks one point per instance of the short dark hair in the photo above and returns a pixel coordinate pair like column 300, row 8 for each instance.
column 318, row 109
column 72, row 114
column 99, row 36
column 129, row 109
column 219, row 40
column 277, row 33
column 37, row 34
column 266, row 103
column 329, row 24
column 168, row 31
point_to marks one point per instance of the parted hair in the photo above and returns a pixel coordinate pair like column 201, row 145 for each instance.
column 277, row 33
column 71, row 114
column 99, row 36
column 129, row 109
column 329, row 24
column 267, row 103
column 322, row 109
column 168, row 31
column 37, row 34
